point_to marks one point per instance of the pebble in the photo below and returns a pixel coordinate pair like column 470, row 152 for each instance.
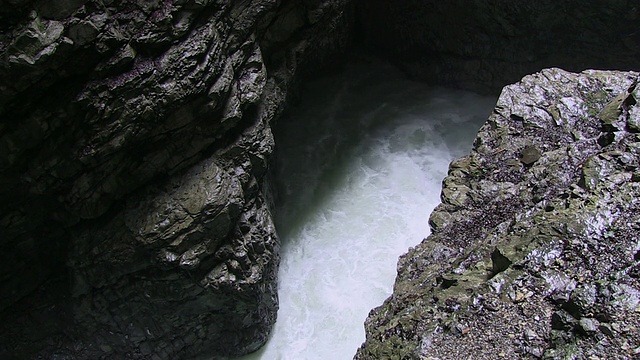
column 530, row 335
column 530, row 155
column 536, row 351
column 606, row 329
column 589, row 325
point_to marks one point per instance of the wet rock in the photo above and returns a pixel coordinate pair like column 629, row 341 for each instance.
column 175, row 259
column 562, row 320
column 58, row 9
column 548, row 249
column 611, row 112
column 606, row 329
column 483, row 45
column 633, row 121
column 530, row 335
column 137, row 174
column 588, row 326
column 584, row 298
column 499, row 262
column 83, row 32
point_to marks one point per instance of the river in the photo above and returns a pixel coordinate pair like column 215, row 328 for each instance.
column 358, row 169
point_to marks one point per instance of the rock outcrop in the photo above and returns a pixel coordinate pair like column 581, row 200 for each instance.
column 134, row 146
column 134, row 142
column 534, row 250
column 483, row 45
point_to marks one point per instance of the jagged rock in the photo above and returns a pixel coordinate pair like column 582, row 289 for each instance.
column 199, row 252
column 134, row 148
column 554, row 257
column 529, row 155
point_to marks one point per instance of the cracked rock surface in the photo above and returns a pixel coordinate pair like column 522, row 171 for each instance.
column 134, row 147
column 534, row 251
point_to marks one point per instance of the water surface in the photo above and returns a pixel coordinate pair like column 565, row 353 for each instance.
column 359, row 165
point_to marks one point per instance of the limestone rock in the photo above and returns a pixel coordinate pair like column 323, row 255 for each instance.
column 199, row 252
column 556, row 258
column 134, row 150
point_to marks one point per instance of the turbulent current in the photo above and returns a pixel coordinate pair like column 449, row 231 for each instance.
column 358, row 169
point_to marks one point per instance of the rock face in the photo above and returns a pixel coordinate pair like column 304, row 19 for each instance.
column 134, row 142
column 483, row 45
column 134, row 146
column 534, row 250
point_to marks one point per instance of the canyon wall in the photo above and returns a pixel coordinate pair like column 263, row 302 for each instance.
column 134, row 142
column 483, row 45
column 134, row 151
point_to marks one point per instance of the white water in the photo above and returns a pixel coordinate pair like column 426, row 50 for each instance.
column 359, row 168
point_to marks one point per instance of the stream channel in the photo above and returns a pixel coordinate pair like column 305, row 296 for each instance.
column 358, row 169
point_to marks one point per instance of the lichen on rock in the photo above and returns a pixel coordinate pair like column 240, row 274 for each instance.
column 538, row 258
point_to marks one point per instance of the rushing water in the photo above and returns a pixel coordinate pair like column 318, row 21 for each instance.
column 359, row 167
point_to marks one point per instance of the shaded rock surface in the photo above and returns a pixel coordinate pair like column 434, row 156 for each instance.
column 134, row 143
column 534, row 250
column 134, row 148
column 483, row 45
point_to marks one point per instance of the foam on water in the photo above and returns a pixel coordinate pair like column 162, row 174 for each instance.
column 359, row 167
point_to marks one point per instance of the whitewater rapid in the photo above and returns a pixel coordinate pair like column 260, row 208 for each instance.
column 358, row 169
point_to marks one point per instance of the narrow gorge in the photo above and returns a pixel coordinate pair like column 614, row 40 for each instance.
column 358, row 167
column 139, row 158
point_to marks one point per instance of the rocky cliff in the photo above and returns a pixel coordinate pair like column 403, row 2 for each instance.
column 534, row 251
column 134, row 146
column 134, row 140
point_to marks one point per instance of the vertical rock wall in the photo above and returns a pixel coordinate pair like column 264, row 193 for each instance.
column 134, row 143
column 483, row 45
column 534, row 250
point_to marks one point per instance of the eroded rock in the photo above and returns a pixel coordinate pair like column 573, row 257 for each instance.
column 554, row 257
column 134, row 147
